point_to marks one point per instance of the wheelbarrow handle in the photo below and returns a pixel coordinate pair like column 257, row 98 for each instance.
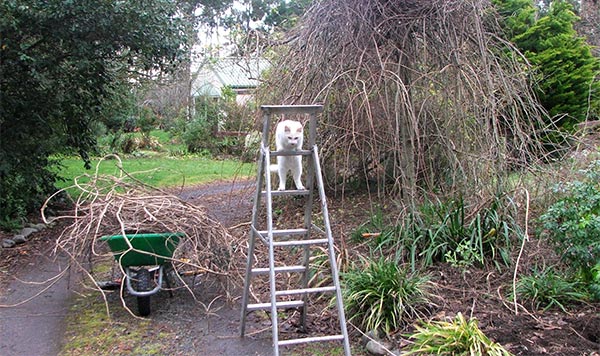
column 143, row 293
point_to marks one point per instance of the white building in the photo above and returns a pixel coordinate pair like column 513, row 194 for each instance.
column 240, row 74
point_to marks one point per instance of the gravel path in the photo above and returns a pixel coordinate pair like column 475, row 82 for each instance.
column 35, row 327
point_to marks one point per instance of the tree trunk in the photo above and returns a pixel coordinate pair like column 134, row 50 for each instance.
column 589, row 25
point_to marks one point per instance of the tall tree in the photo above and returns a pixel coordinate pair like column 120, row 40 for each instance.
column 564, row 65
column 589, row 25
column 60, row 62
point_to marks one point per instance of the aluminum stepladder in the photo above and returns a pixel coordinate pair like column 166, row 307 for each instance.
column 302, row 236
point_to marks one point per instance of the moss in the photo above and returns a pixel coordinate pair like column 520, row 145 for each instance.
column 90, row 331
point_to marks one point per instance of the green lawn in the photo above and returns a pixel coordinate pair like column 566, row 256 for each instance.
column 161, row 171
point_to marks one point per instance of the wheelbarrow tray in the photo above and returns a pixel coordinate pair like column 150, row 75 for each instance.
column 150, row 249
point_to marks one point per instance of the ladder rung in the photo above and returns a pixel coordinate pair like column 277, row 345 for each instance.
column 278, row 193
column 285, row 232
column 310, row 339
column 305, row 290
column 283, row 304
column 291, row 153
column 300, row 242
column 279, row 269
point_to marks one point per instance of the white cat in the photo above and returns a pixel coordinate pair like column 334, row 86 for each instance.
column 288, row 137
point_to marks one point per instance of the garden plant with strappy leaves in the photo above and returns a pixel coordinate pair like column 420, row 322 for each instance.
column 456, row 337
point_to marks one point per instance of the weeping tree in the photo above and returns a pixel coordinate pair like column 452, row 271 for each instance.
column 419, row 95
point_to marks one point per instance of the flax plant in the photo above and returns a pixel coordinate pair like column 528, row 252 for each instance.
column 383, row 295
column 456, row 337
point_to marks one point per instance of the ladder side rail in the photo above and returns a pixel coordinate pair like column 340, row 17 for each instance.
column 251, row 243
column 310, row 183
column 269, row 204
column 266, row 129
column 312, row 130
column 332, row 259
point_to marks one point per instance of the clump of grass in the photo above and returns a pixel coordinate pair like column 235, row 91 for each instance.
column 447, row 231
column 383, row 295
column 456, row 337
column 547, row 288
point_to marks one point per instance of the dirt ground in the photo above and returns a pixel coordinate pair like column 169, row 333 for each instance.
column 477, row 293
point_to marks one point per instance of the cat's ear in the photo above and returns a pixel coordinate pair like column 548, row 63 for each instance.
column 287, row 129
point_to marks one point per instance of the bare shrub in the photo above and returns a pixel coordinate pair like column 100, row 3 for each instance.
column 418, row 94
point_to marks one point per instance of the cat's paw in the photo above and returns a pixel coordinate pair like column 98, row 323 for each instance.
column 300, row 187
column 281, row 187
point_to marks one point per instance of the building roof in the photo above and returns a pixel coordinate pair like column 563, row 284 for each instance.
column 234, row 72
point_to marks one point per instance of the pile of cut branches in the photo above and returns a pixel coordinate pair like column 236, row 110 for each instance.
column 122, row 205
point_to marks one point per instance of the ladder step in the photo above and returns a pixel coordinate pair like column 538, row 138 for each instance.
column 310, row 339
column 305, row 290
column 291, row 153
column 283, row 304
column 300, row 242
column 265, row 270
column 277, row 233
column 279, row 193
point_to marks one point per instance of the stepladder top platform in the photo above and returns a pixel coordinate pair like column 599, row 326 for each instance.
column 292, row 109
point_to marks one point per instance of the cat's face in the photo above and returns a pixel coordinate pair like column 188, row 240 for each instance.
column 293, row 135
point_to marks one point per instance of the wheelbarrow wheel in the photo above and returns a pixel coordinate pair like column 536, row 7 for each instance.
column 144, row 279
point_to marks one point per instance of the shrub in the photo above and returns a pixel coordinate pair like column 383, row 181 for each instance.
column 546, row 289
column 457, row 337
column 198, row 136
column 445, row 232
column 572, row 225
column 382, row 295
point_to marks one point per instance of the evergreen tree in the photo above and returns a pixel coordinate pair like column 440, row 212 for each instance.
column 563, row 64
column 517, row 15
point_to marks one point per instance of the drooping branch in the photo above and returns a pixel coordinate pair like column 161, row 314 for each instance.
column 422, row 94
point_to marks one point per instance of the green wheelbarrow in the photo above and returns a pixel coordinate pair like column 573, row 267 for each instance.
column 145, row 262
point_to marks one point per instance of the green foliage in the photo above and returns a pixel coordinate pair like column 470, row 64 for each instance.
column 457, row 337
column 383, row 295
column 563, row 65
column 443, row 232
column 572, row 225
column 517, row 15
column 198, row 136
column 62, row 63
column 269, row 18
column 214, row 117
column 546, row 289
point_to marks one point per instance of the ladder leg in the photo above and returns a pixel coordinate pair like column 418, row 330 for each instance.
column 272, row 286
column 247, row 284
column 305, row 276
column 332, row 260
column 251, row 244
column 310, row 177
